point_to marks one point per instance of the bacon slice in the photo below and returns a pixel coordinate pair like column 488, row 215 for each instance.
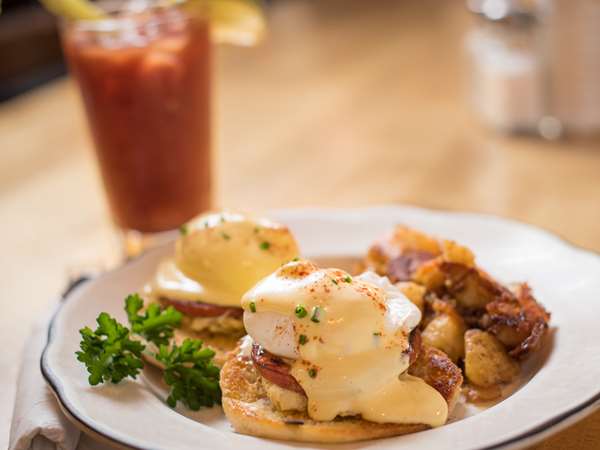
column 274, row 369
column 201, row 309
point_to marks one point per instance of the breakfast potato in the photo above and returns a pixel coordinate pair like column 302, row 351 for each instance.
column 401, row 253
column 486, row 361
column 415, row 293
column 472, row 288
column 518, row 321
column 410, row 239
column 456, row 253
column 430, row 275
column 446, row 331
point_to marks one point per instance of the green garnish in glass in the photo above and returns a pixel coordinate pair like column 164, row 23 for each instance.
column 252, row 306
column 348, row 279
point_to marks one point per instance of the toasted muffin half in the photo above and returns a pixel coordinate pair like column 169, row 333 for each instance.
column 250, row 411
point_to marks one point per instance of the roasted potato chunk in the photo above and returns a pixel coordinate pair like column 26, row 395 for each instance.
column 438, row 371
column 446, row 331
column 415, row 293
column 486, row 361
column 518, row 321
column 456, row 253
column 473, row 289
column 400, row 254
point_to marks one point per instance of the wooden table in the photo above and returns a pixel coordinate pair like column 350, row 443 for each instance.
column 346, row 104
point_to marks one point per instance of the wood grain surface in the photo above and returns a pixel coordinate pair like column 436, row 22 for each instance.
column 348, row 103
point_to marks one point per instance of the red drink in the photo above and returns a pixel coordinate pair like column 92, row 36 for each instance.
column 145, row 82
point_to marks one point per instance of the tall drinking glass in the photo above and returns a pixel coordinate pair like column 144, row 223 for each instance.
column 145, row 80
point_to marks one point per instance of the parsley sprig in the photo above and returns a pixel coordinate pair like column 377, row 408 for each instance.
column 156, row 325
column 110, row 354
column 189, row 370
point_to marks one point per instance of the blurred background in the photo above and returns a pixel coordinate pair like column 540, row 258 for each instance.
column 488, row 106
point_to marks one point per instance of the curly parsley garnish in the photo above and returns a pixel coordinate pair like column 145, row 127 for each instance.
column 156, row 325
column 189, row 370
column 110, row 354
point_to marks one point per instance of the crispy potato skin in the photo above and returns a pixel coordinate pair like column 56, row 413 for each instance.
column 438, row 371
column 487, row 363
column 519, row 321
column 472, row 288
column 400, row 254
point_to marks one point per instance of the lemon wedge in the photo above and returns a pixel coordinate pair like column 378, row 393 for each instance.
column 239, row 22
column 74, row 9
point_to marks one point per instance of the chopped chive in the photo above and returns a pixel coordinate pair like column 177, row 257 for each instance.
column 296, row 259
column 334, row 281
column 252, row 306
column 348, row 279
column 225, row 236
column 183, row 229
column 312, row 372
column 377, row 333
column 300, row 311
column 265, row 245
column 302, row 339
column 315, row 314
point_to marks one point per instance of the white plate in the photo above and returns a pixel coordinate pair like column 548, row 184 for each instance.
column 565, row 388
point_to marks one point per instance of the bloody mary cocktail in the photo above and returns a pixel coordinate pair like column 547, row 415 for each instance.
column 145, row 82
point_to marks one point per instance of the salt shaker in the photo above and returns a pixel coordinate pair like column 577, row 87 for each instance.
column 507, row 73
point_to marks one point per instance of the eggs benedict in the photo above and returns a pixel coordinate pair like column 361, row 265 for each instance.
column 218, row 257
column 327, row 359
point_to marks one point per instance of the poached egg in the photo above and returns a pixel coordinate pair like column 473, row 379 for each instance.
column 219, row 256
